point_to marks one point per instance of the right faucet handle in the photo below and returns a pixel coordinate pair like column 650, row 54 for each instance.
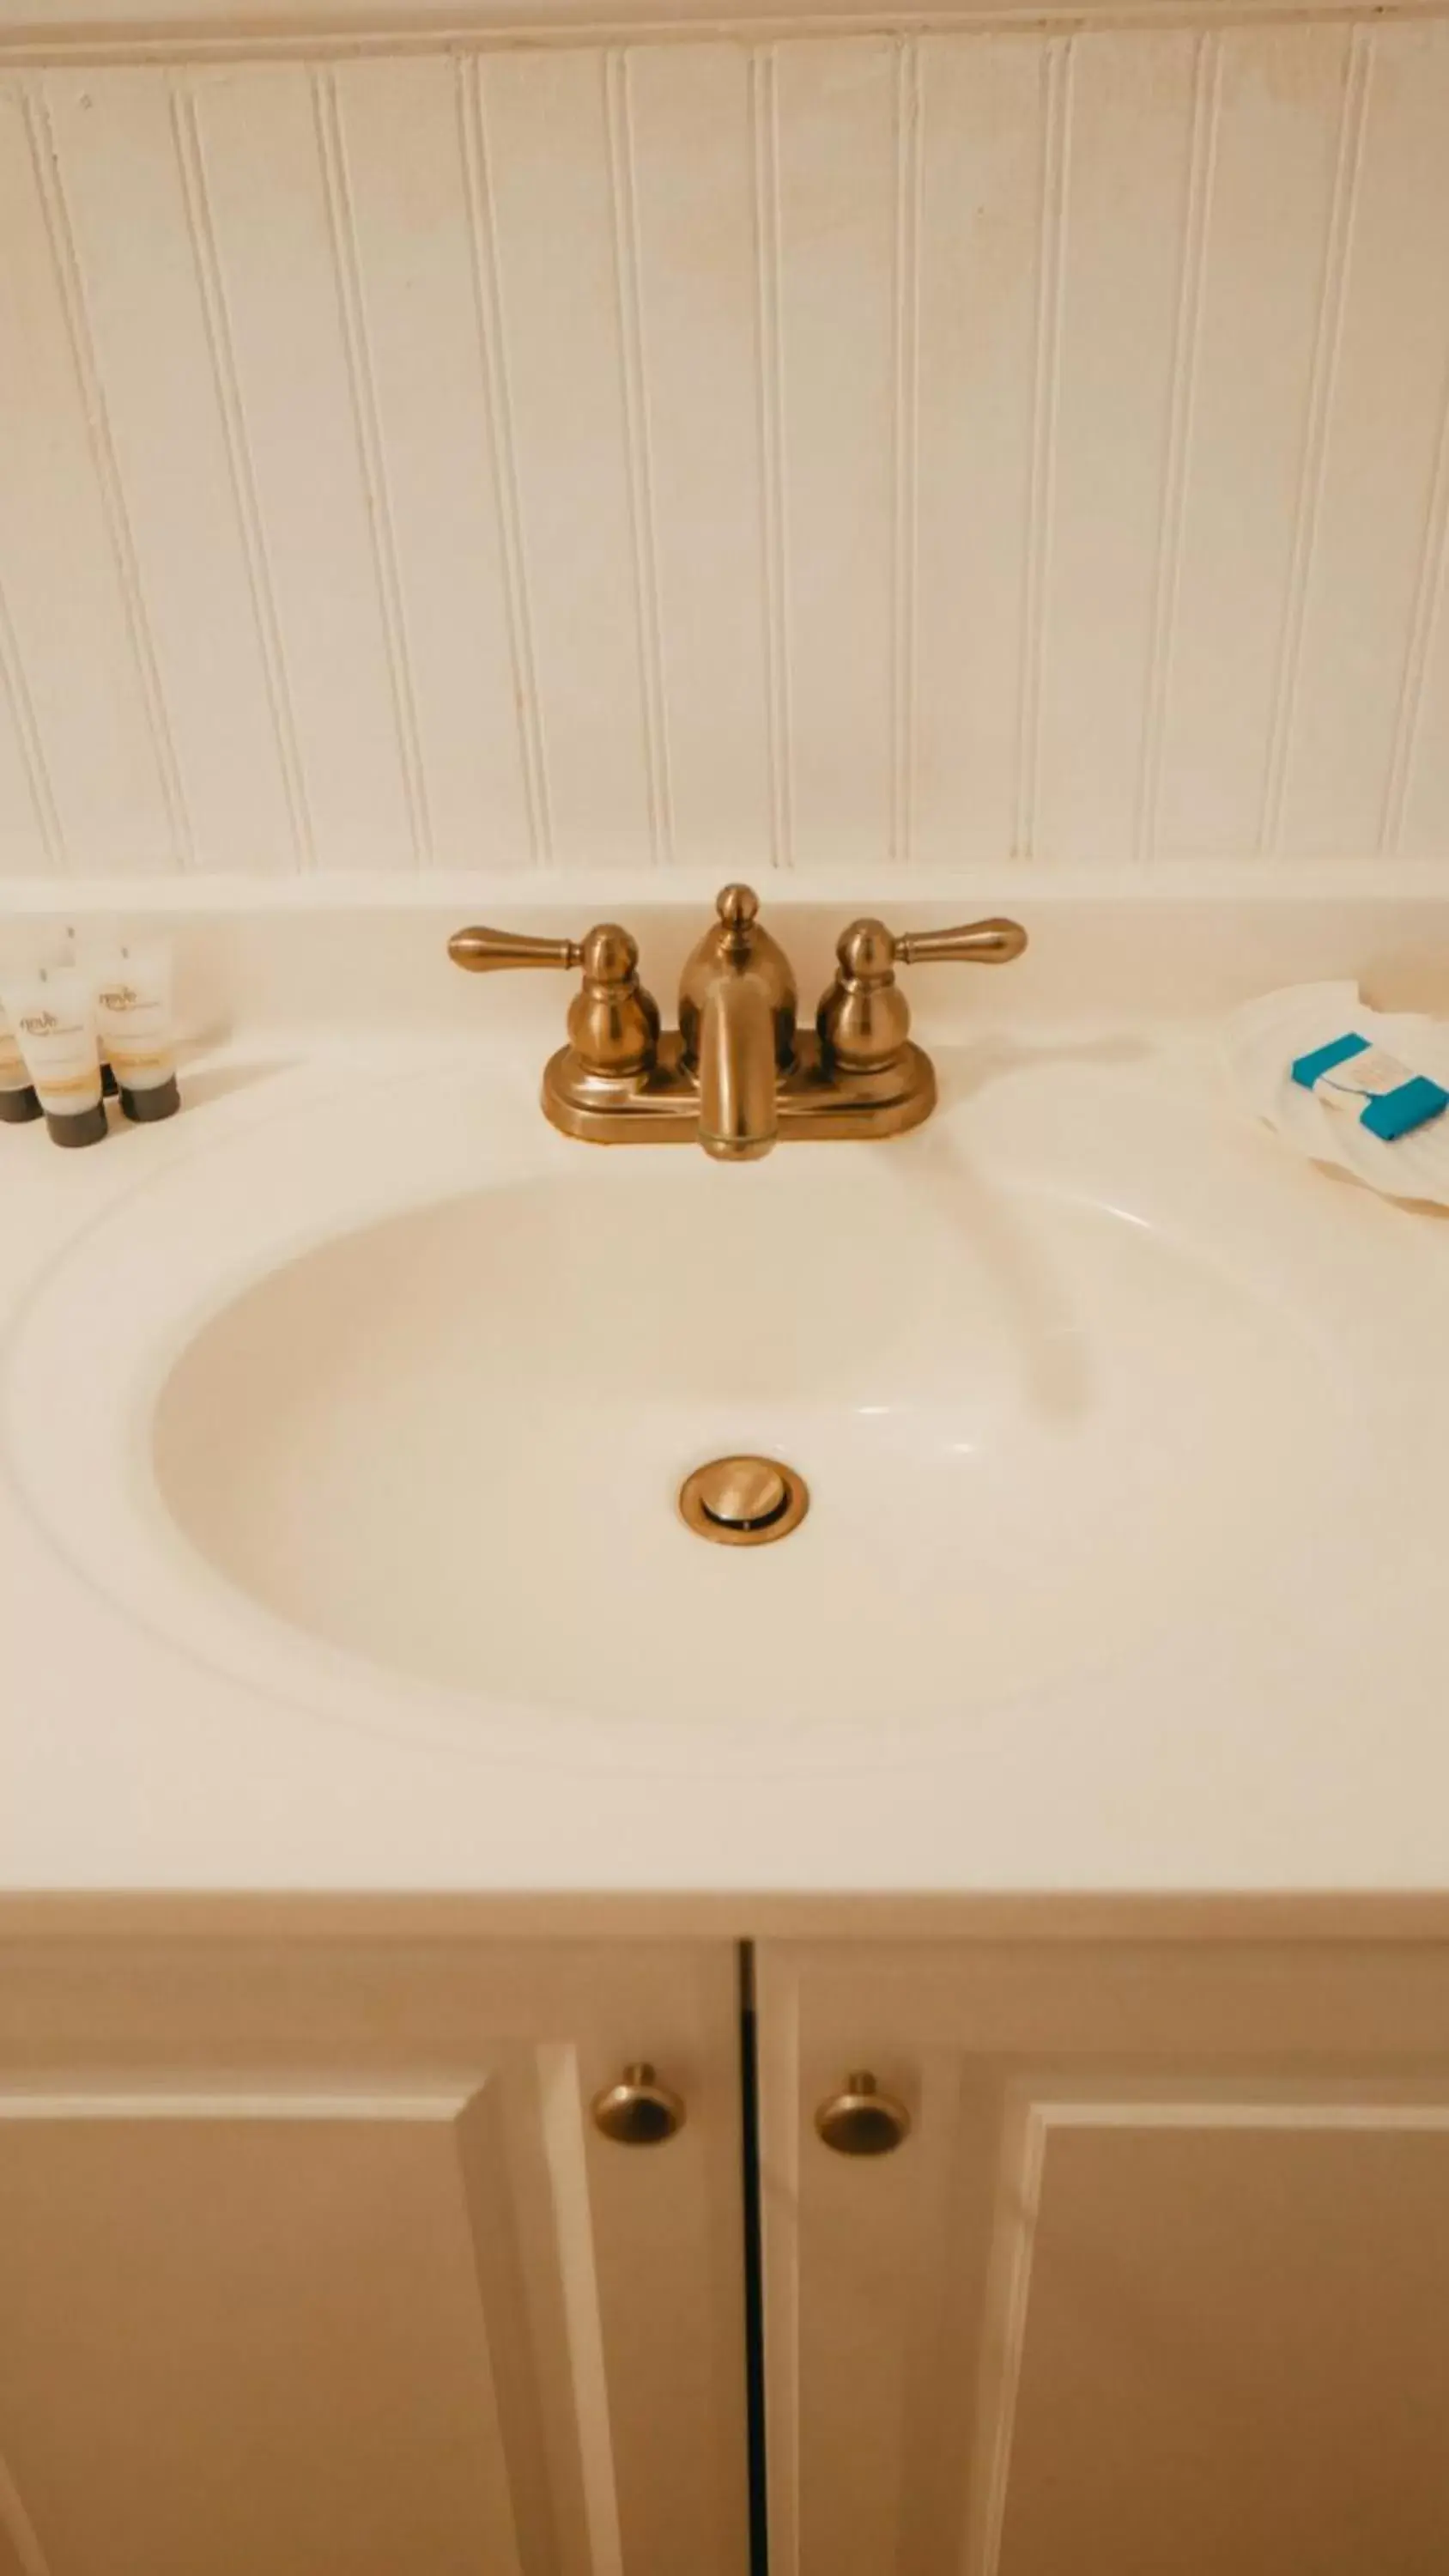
column 864, row 1020
column 971, row 943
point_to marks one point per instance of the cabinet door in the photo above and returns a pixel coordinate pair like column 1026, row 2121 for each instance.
column 312, row 2262
column 1159, row 2279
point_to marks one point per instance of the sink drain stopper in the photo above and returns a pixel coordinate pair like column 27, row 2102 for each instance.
column 744, row 1502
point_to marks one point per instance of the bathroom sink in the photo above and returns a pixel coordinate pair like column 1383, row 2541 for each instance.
column 451, row 1442
column 1077, row 1381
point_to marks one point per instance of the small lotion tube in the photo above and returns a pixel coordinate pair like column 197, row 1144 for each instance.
column 24, row 951
column 137, row 1032
column 92, row 945
column 18, row 1098
column 54, row 1021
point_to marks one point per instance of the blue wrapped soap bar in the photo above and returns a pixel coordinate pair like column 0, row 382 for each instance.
column 1351, row 1073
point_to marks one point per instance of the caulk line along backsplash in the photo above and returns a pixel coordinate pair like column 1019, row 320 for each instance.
column 847, row 449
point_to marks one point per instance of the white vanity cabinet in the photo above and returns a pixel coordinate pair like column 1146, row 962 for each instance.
column 1159, row 2279
column 312, row 2262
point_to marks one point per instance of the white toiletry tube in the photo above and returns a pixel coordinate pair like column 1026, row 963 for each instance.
column 91, row 944
column 19, row 1101
column 137, row 1031
column 25, row 948
column 54, row 1021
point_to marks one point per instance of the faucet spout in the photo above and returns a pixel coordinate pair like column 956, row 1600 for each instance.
column 739, row 1116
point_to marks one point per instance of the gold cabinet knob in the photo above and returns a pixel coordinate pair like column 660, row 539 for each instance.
column 638, row 2111
column 862, row 2121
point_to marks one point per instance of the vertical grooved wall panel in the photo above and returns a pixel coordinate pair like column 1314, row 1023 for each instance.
column 550, row 186
column 1421, row 824
column 693, row 187
column 124, row 186
column 27, row 826
column 1389, row 385
column 983, row 136
column 857, row 449
column 63, row 586
column 1267, row 227
column 836, row 175
column 266, row 189
column 1125, row 205
column 408, row 185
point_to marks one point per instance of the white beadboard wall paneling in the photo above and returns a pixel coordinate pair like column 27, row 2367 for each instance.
column 1308, row 508
column 1416, row 807
column 123, row 183
column 402, row 146
column 1373, row 533
column 276, row 203
column 94, row 394
column 1186, row 352
column 689, row 116
column 1266, row 227
column 636, row 421
column 1045, row 377
column 905, row 448
column 30, row 832
column 550, row 181
column 849, row 450
column 488, row 311
column 1135, row 125
column 360, row 377
column 69, row 576
column 838, row 143
column 1417, row 823
column 227, row 387
column 765, row 174
column 984, row 181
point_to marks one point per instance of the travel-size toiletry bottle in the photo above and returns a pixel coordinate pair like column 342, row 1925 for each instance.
column 53, row 1018
column 24, row 948
column 137, row 1032
column 19, row 1101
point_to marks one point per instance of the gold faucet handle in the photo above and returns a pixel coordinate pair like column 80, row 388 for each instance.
column 613, row 1023
column 488, row 952
column 971, row 943
column 864, row 1019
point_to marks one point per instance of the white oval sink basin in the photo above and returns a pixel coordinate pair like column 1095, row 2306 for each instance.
column 1035, row 1430
column 1103, row 1404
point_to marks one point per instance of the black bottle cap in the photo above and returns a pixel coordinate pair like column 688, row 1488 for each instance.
column 77, row 1126
column 17, row 1108
column 109, row 1084
column 162, row 1100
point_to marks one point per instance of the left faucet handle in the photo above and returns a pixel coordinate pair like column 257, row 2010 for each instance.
column 488, row 952
column 613, row 1024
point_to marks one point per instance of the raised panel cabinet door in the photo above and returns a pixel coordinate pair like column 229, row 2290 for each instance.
column 1157, row 2278
column 313, row 2263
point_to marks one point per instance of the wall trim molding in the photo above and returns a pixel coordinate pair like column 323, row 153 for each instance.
column 523, row 892
column 207, row 31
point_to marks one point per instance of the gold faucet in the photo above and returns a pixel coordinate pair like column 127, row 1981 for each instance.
column 737, row 1029
column 737, row 1075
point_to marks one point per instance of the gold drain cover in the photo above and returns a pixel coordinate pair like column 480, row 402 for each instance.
column 744, row 1501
